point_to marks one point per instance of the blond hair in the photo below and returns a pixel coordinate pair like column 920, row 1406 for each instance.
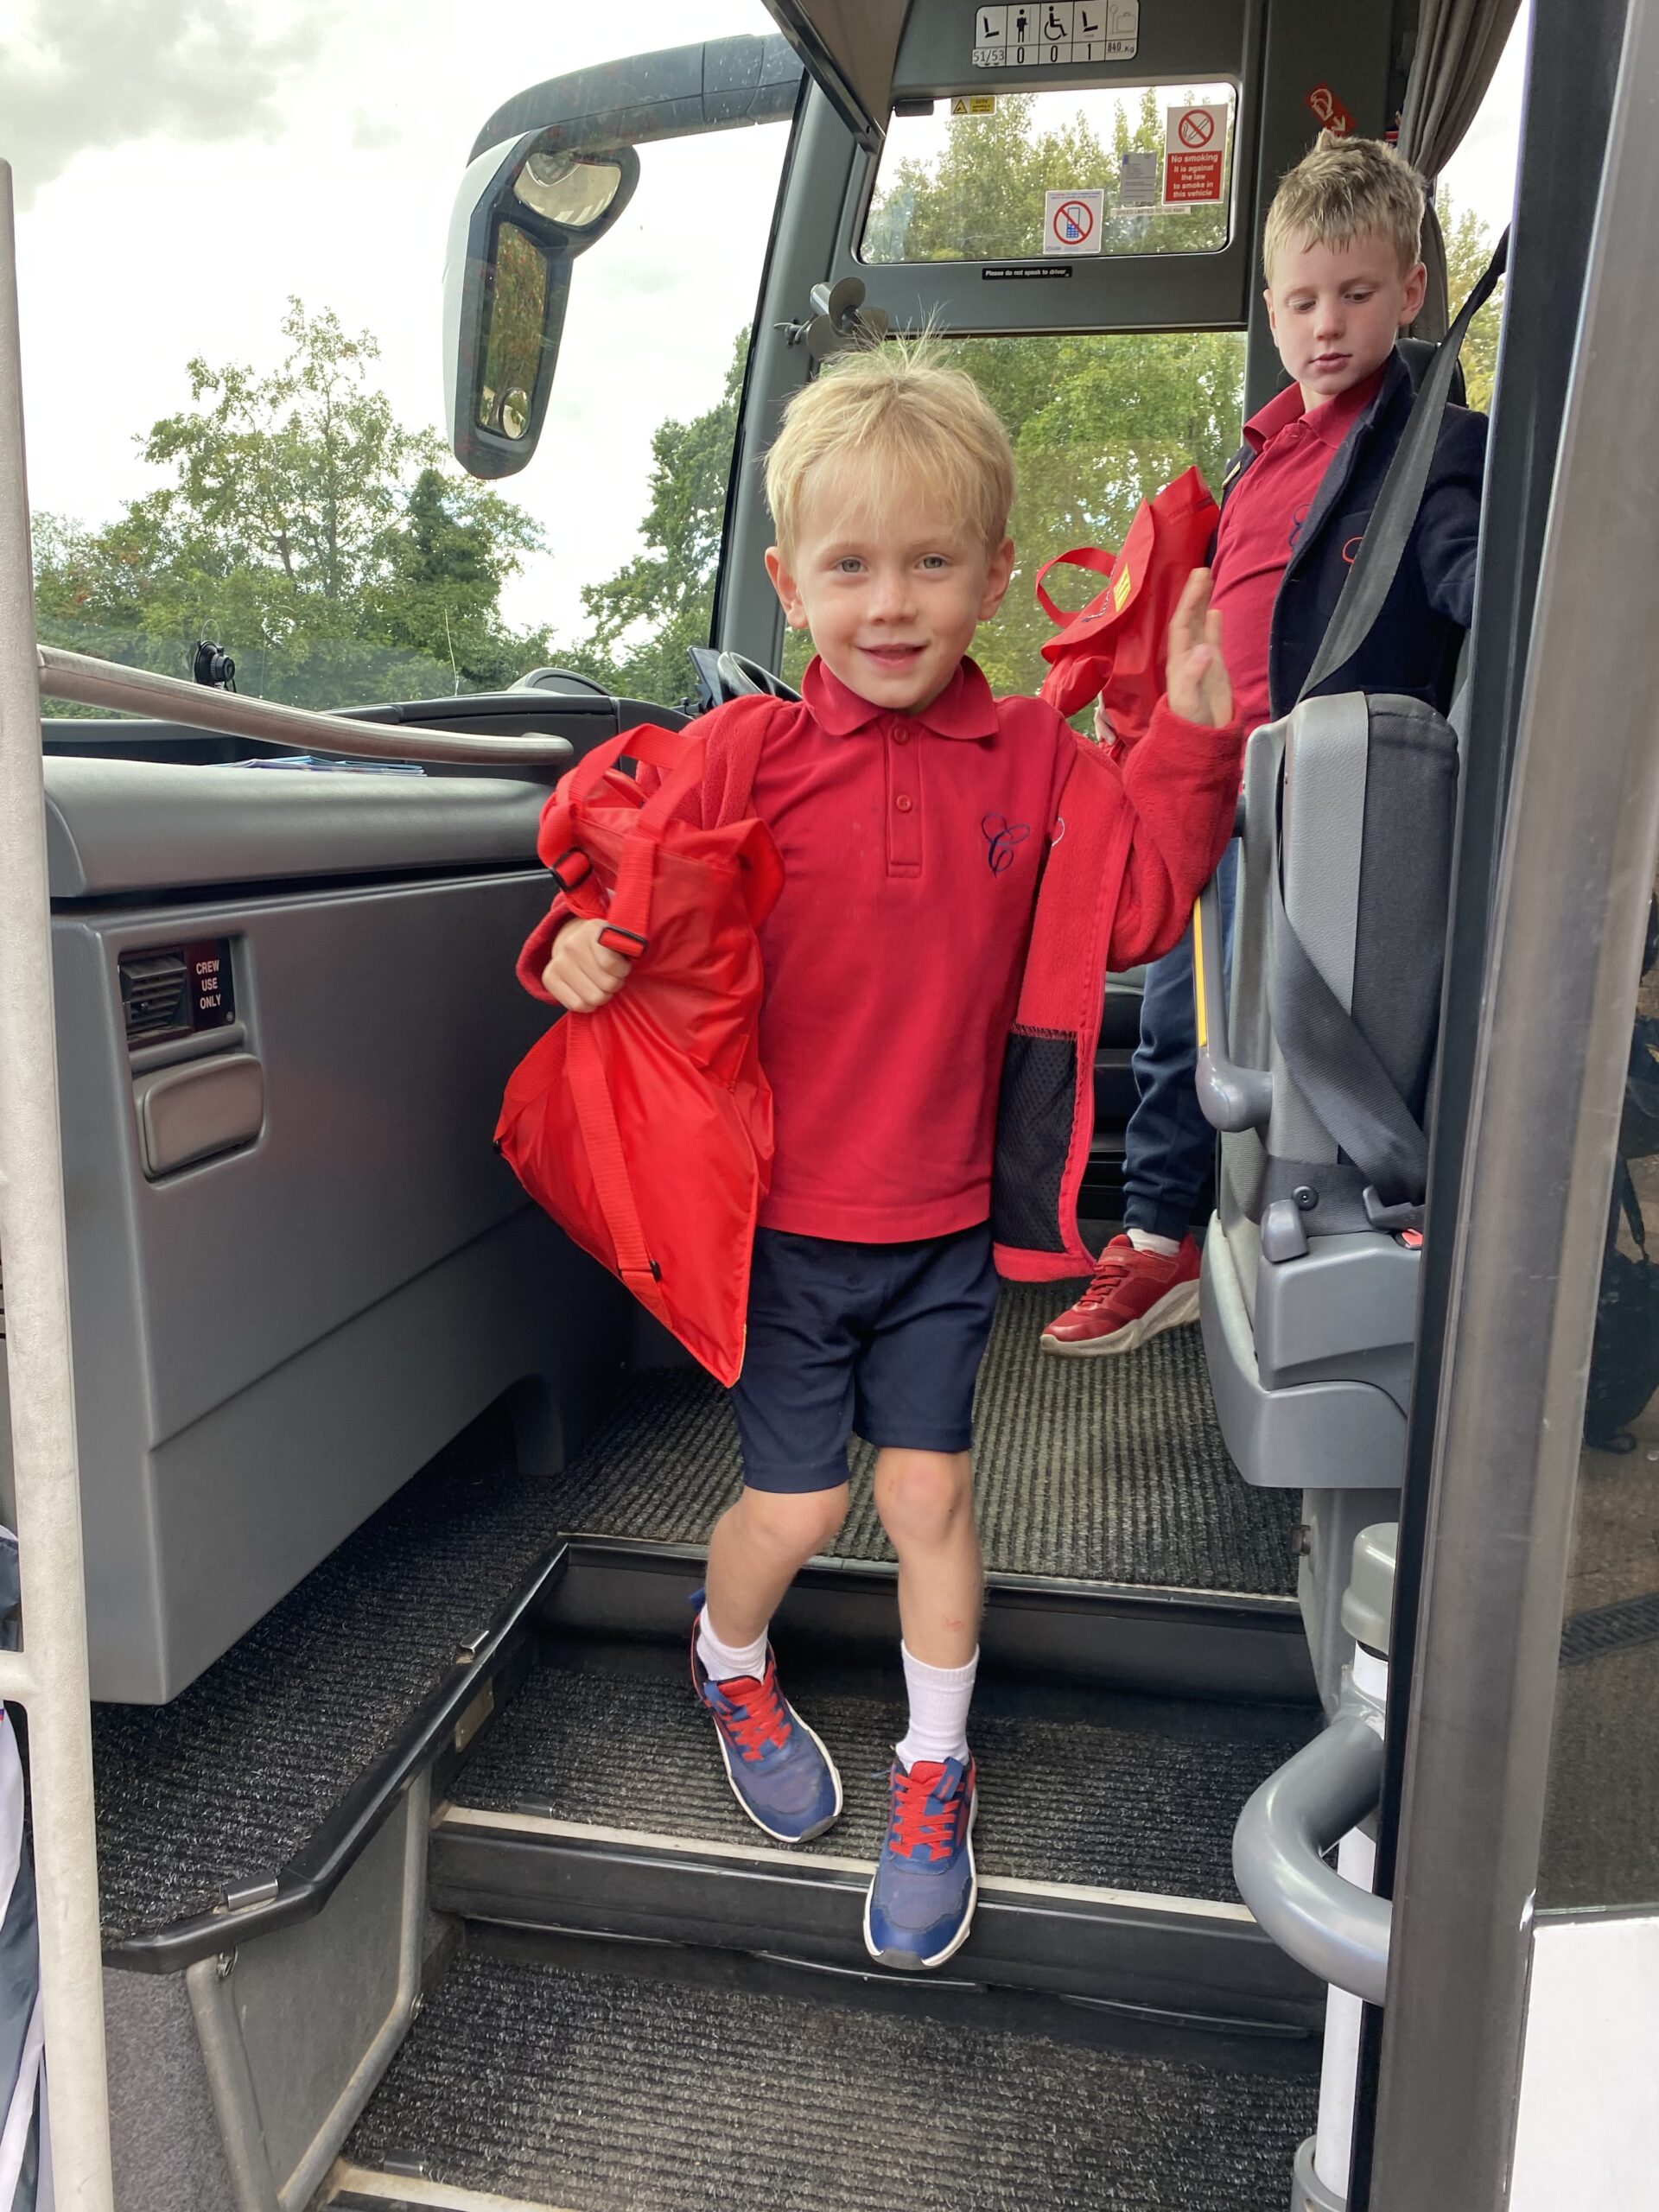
column 1344, row 189
column 899, row 416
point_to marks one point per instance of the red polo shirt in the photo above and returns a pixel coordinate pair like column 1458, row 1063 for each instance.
column 1260, row 522
column 911, row 847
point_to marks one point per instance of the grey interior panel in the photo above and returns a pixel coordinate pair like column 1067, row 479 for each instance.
column 298, row 1265
column 1349, row 1435
column 1347, row 1308
column 117, row 826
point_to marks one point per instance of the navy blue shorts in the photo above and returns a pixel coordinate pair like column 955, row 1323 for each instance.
column 885, row 1339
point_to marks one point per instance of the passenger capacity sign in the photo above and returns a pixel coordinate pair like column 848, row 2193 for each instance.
column 1195, row 143
column 1050, row 34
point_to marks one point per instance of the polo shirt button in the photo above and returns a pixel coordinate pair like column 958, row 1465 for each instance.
column 903, row 801
column 901, row 737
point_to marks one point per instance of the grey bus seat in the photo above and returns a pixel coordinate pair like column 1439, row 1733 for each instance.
column 1319, row 1073
column 1308, row 1303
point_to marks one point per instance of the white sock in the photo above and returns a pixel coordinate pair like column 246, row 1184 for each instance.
column 939, row 1698
column 1144, row 1241
column 726, row 1662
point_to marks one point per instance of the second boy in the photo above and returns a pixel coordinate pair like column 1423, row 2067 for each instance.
column 1344, row 278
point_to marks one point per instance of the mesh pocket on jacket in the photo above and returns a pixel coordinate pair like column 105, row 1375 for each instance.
column 1034, row 1133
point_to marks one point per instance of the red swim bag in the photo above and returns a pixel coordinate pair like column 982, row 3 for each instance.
column 644, row 1127
column 1113, row 649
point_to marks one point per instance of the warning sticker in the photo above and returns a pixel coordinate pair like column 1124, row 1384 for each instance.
column 1047, row 34
column 973, row 103
column 1072, row 221
column 1137, row 179
column 1329, row 110
column 1195, row 143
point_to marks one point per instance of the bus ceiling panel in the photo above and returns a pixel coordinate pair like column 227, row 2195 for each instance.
column 850, row 47
column 1048, row 45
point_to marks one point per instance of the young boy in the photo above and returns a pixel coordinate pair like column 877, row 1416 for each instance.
column 913, row 812
column 1344, row 278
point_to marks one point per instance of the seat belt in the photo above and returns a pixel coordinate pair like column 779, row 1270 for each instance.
column 1325, row 1054
column 1394, row 516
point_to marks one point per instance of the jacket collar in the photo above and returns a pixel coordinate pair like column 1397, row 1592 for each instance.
column 1334, row 485
column 1330, row 422
column 964, row 708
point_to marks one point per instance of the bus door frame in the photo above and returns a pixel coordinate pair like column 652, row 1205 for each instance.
column 1560, row 824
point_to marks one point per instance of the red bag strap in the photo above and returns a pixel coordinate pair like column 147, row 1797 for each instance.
column 602, row 1142
column 1096, row 559
column 681, row 759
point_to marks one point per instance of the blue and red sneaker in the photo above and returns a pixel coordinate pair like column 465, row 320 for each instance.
column 779, row 1772
column 921, row 1902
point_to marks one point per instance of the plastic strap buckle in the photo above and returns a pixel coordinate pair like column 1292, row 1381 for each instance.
column 632, row 949
column 568, row 883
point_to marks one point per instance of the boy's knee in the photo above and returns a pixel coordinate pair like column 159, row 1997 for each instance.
column 921, row 1495
column 796, row 1523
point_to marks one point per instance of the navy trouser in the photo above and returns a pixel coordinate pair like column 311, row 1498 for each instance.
column 1169, row 1147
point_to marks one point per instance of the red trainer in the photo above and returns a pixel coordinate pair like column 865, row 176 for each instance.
column 1132, row 1296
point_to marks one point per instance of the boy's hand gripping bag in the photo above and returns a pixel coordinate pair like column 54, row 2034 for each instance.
column 1113, row 649
column 644, row 1127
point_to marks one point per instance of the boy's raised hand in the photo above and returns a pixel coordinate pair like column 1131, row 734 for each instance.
column 1195, row 680
column 582, row 973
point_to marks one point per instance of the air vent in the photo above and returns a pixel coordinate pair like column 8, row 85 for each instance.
column 154, row 992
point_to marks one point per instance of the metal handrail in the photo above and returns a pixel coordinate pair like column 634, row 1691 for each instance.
column 49, row 1674
column 1331, row 1927
column 95, row 683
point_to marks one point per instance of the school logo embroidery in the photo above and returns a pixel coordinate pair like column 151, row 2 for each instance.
column 1001, row 837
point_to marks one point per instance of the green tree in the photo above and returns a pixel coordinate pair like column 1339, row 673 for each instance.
column 1468, row 250
column 330, row 549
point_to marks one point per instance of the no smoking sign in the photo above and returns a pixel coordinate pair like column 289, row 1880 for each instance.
column 1195, row 143
column 1072, row 221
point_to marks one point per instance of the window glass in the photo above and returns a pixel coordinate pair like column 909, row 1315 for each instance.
column 1098, row 424
column 253, row 453
column 1601, row 1840
column 1135, row 170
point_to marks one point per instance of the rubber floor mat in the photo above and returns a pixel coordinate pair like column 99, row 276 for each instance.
column 226, row 1783
column 601, row 2094
column 1119, row 1792
column 1111, row 1470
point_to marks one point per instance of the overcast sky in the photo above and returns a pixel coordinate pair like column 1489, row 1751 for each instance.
column 182, row 166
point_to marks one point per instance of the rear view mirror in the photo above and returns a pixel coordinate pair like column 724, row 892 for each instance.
column 551, row 171
column 523, row 215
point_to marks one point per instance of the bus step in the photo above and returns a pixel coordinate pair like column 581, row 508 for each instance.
column 598, row 1802
column 551, row 2075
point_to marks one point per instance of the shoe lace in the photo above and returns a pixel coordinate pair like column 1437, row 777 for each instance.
column 759, row 1719
column 912, row 1822
column 1110, row 1270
